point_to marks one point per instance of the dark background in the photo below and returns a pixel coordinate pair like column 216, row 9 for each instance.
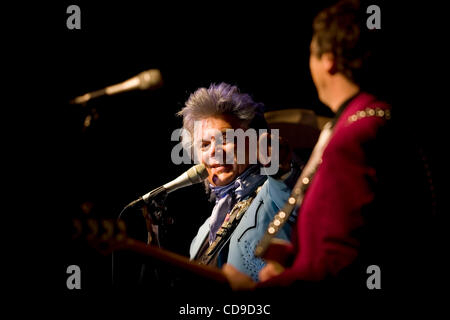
column 263, row 48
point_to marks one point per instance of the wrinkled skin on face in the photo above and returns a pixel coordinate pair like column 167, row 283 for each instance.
column 212, row 154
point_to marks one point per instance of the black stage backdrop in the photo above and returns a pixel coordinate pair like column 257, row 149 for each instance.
column 263, row 48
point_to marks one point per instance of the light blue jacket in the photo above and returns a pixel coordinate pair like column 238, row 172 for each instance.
column 242, row 243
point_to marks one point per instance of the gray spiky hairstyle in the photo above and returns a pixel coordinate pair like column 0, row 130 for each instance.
column 220, row 99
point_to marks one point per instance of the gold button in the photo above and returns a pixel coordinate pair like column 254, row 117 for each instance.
column 305, row 180
column 271, row 230
column 291, row 200
column 282, row 214
column 277, row 222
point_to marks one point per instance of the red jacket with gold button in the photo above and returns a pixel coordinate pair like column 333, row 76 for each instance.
column 330, row 230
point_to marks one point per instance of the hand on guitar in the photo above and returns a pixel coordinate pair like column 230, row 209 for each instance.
column 270, row 270
column 236, row 279
column 277, row 256
column 240, row 281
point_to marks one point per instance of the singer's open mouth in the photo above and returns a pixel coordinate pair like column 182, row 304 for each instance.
column 219, row 169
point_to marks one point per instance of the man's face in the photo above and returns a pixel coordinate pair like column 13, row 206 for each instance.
column 318, row 70
column 219, row 173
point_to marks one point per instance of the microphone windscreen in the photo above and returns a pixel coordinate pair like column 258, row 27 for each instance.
column 150, row 79
column 197, row 173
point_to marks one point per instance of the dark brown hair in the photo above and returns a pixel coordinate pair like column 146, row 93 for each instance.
column 340, row 30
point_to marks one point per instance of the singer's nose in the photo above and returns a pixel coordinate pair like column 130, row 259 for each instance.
column 214, row 154
column 212, row 148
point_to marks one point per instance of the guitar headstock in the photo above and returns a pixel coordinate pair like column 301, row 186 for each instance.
column 102, row 234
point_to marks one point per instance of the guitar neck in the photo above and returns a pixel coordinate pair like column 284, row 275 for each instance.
column 173, row 259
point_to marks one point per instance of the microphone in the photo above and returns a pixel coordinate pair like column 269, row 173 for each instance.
column 194, row 175
column 150, row 79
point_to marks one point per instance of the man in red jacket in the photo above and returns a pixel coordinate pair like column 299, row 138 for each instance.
column 336, row 227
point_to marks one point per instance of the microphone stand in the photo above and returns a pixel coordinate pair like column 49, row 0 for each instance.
column 90, row 117
column 156, row 221
column 90, row 114
column 156, row 218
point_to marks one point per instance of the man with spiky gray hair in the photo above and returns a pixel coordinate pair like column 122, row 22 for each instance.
column 214, row 120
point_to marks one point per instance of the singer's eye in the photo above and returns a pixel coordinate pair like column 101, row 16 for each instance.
column 205, row 145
